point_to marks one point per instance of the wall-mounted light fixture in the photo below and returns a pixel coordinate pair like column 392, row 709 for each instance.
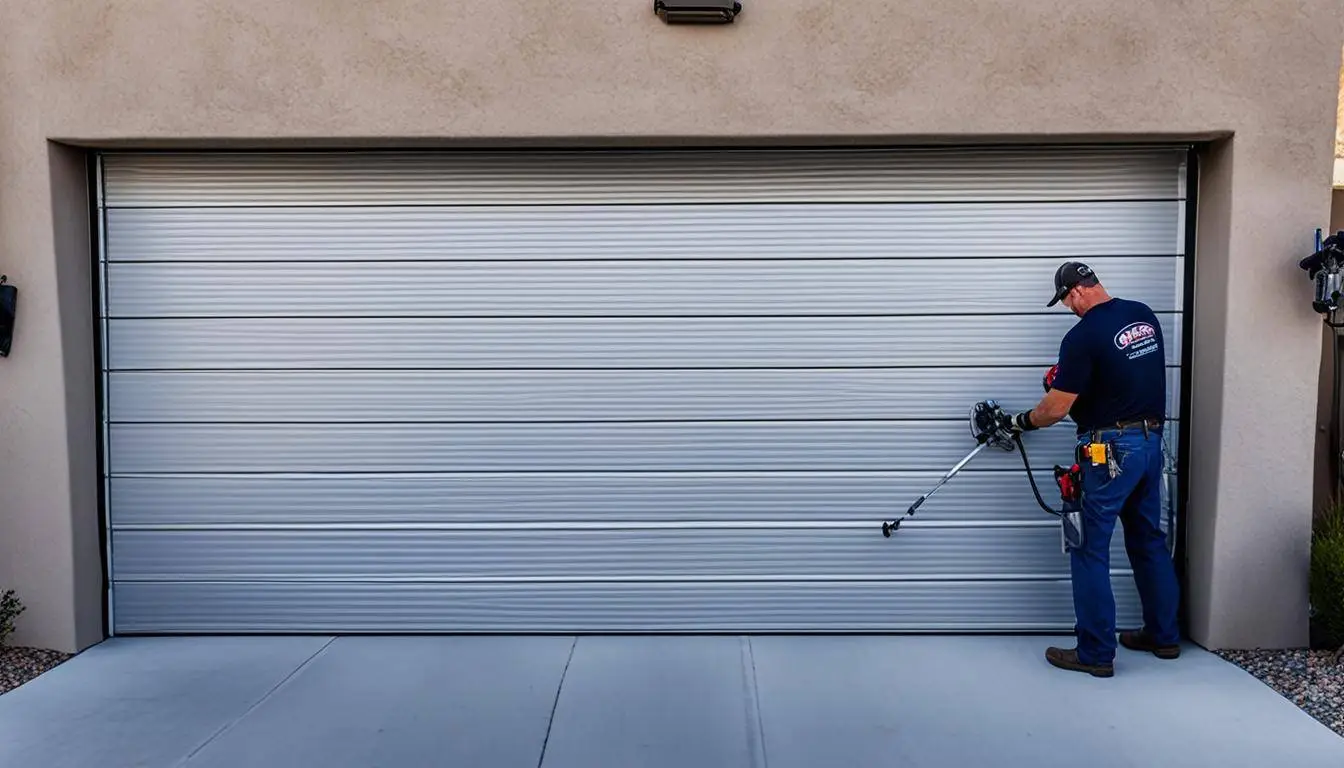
column 1325, row 267
column 697, row 11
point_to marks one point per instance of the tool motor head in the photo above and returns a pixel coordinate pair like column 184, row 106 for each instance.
column 989, row 425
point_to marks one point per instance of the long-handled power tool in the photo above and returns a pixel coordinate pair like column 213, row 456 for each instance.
column 990, row 427
column 987, row 429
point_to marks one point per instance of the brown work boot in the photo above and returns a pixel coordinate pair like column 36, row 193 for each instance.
column 1068, row 659
column 1142, row 641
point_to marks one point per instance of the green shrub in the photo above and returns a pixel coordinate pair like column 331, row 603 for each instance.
column 10, row 608
column 1327, row 574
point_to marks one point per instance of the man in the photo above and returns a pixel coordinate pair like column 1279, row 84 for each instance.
column 1111, row 379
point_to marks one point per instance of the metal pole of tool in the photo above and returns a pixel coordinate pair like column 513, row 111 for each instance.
column 987, row 429
column 887, row 528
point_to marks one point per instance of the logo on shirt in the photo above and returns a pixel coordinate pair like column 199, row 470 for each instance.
column 1134, row 333
column 1137, row 338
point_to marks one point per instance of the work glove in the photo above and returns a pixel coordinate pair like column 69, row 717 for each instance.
column 1015, row 424
column 1022, row 422
column 1048, row 380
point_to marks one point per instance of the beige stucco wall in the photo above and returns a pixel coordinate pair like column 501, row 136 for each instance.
column 160, row 71
column 1339, row 116
column 1339, row 146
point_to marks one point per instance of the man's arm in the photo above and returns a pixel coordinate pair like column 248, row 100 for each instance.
column 1050, row 411
column 1073, row 374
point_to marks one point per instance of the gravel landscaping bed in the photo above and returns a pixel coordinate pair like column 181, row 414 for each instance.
column 1309, row 679
column 19, row 665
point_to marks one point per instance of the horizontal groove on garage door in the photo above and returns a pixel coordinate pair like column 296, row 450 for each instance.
column 540, row 396
column 596, row 607
column 556, row 289
column 616, row 553
column 605, row 498
column 779, row 446
column 648, row 343
column 782, row 233
column 646, row 176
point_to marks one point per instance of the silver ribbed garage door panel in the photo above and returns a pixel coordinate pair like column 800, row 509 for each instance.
column 569, row 289
column 536, row 499
column 871, row 445
column 607, row 553
column 571, row 391
column 569, row 343
column 724, row 605
column 334, row 397
column 633, row 176
column 698, row 231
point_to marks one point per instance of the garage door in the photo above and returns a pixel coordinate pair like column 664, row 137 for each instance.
column 599, row 391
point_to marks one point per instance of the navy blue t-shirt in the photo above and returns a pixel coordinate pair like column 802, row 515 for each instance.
column 1115, row 361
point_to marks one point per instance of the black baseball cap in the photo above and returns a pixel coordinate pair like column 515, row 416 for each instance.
column 1069, row 275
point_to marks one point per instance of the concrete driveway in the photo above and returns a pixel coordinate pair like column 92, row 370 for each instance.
column 643, row 701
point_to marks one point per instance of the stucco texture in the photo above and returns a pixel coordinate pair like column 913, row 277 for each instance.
column 1339, row 117
column 1260, row 78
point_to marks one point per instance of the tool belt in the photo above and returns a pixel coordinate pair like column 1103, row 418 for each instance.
column 1144, row 424
column 1138, row 424
column 1097, row 452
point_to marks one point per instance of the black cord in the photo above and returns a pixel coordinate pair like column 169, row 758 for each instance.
column 1032, row 478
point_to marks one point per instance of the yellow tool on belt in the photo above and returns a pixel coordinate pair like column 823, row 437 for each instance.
column 1096, row 452
column 1100, row 454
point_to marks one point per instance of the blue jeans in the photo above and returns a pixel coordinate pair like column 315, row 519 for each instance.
column 1134, row 496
